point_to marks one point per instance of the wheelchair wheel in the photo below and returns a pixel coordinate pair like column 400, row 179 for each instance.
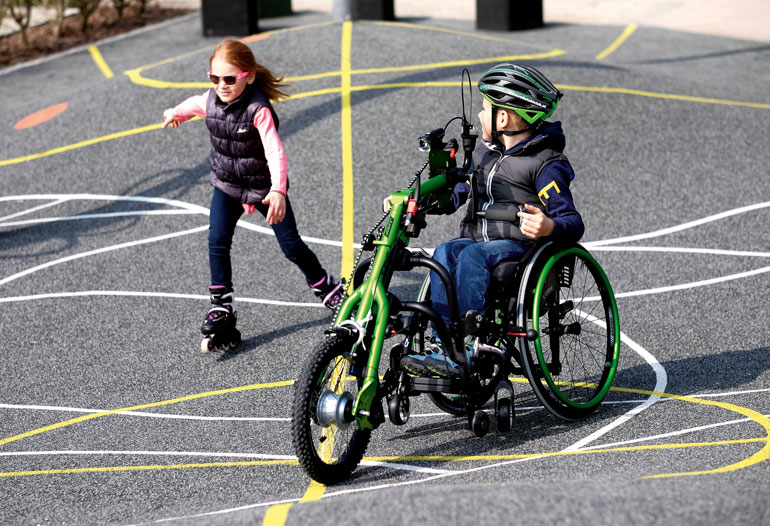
column 326, row 437
column 570, row 303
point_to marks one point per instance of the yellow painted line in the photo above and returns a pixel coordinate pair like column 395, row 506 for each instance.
column 136, row 77
column 520, row 456
column 760, row 456
column 327, row 91
column 315, row 490
column 276, row 515
column 347, row 153
column 91, row 416
column 478, row 36
column 80, row 144
column 100, row 62
column 618, row 42
column 464, row 62
column 669, row 96
column 109, row 469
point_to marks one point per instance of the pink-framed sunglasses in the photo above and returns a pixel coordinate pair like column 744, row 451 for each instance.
column 229, row 79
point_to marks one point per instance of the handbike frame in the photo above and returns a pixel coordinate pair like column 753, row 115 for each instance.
column 371, row 301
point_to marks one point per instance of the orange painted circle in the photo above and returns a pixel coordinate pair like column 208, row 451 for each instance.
column 41, row 116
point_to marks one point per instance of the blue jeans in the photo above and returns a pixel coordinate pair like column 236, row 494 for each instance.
column 224, row 214
column 469, row 263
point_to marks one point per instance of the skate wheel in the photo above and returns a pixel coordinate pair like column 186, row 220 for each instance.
column 206, row 346
column 235, row 340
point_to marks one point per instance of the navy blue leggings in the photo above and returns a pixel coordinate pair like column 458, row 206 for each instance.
column 225, row 212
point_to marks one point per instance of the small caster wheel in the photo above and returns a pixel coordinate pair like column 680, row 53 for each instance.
column 480, row 423
column 207, row 345
column 504, row 408
column 504, row 413
column 398, row 409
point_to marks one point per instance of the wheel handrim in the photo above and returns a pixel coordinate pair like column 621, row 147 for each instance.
column 583, row 386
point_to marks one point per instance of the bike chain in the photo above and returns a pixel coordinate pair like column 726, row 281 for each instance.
column 363, row 243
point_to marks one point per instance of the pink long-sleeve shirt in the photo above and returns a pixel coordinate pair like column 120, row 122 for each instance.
column 195, row 106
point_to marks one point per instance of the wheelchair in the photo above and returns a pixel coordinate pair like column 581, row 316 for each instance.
column 551, row 316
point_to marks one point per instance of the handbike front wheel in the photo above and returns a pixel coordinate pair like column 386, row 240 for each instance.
column 572, row 364
column 326, row 437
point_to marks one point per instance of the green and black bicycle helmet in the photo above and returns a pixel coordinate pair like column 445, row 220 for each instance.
column 522, row 89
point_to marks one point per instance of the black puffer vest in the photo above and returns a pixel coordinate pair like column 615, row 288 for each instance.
column 503, row 181
column 238, row 164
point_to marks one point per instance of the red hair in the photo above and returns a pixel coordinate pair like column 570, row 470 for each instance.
column 239, row 55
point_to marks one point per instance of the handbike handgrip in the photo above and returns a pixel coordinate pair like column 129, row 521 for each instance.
column 500, row 215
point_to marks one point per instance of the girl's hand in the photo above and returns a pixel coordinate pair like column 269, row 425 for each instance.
column 247, row 208
column 386, row 205
column 535, row 224
column 277, row 210
column 168, row 122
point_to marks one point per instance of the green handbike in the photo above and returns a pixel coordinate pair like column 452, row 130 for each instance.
column 551, row 317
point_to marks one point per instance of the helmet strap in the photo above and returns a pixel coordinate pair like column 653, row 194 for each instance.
column 496, row 133
column 517, row 132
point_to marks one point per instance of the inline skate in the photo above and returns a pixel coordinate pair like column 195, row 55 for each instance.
column 218, row 329
column 330, row 291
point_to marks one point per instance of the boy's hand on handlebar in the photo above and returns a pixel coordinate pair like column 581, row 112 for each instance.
column 386, row 205
column 277, row 210
column 535, row 224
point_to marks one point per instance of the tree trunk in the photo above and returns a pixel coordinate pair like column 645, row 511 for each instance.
column 21, row 13
column 87, row 8
column 58, row 22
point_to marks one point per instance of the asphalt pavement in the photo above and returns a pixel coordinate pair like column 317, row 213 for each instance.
column 109, row 413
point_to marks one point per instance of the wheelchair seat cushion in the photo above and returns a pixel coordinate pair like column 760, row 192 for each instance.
column 503, row 277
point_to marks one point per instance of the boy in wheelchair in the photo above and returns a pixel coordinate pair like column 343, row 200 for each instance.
column 520, row 168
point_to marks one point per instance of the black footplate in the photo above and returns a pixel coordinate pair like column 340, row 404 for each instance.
column 434, row 385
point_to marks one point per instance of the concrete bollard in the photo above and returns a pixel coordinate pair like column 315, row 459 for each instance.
column 508, row 15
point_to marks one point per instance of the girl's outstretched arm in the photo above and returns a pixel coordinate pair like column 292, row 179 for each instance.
column 193, row 107
column 274, row 152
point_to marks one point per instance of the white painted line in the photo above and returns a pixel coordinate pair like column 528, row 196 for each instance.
column 34, row 209
column 730, row 393
column 683, row 250
column 97, row 216
column 404, row 467
column 691, row 285
column 669, row 435
column 153, row 295
column 679, row 228
column 162, row 201
column 661, row 381
column 149, row 415
column 101, row 251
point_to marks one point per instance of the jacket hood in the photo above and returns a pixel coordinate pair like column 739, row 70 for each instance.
column 549, row 136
